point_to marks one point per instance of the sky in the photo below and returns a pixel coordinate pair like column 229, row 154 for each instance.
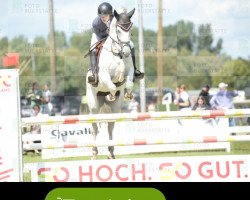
column 230, row 19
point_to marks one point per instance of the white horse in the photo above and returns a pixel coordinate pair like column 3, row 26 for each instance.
column 116, row 73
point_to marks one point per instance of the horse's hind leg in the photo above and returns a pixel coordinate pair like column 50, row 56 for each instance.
column 111, row 126
column 94, row 133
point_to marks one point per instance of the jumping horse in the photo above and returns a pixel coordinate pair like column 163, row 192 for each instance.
column 115, row 75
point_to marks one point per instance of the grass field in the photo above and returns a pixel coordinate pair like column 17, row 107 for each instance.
column 237, row 148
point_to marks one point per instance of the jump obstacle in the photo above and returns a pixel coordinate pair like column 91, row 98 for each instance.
column 122, row 117
column 10, row 95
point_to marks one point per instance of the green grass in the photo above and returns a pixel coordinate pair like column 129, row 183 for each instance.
column 240, row 148
column 237, row 148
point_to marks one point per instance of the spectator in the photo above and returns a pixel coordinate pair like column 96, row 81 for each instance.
column 152, row 107
column 205, row 93
column 28, row 138
column 47, row 105
column 201, row 104
column 182, row 98
column 176, row 97
column 35, row 96
column 224, row 100
column 36, row 129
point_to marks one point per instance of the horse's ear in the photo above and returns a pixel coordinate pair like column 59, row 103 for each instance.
column 116, row 15
column 131, row 13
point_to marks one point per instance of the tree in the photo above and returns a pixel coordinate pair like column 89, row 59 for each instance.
column 21, row 45
column 205, row 39
column 4, row 44
column 81, row 41
column 61, row 41
column 75, row 70
column 170, row 39
column 185, row 35
column 218, row 47
column 179, row 63
column 235, row 72
column 40, row 41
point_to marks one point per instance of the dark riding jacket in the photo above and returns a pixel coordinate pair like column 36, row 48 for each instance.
column 100, row 28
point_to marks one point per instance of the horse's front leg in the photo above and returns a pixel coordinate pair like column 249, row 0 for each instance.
column 106, row 79
column 111, row 126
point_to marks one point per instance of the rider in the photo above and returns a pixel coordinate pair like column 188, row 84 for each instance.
column 100, row 27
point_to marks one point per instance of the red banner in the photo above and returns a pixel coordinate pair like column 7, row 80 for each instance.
column 10, row 59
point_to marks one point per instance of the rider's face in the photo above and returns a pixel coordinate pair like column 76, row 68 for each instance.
column 105, row 18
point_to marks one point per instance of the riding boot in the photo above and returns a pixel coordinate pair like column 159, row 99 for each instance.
column 93, row 79
column 137, row 74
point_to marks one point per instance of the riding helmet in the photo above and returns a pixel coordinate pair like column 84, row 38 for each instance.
column 105, row 9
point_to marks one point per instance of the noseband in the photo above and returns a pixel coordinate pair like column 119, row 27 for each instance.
column 125, row 26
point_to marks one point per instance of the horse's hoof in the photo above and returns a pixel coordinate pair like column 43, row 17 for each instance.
column 110, row 98
column 94, row 153
column 128, row 96
column 111, row 157
column 94, row 158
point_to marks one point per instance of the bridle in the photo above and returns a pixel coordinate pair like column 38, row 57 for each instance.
column 125, row 27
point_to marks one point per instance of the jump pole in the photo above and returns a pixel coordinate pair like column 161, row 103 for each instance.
column 121, row 117
column 136, row 142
